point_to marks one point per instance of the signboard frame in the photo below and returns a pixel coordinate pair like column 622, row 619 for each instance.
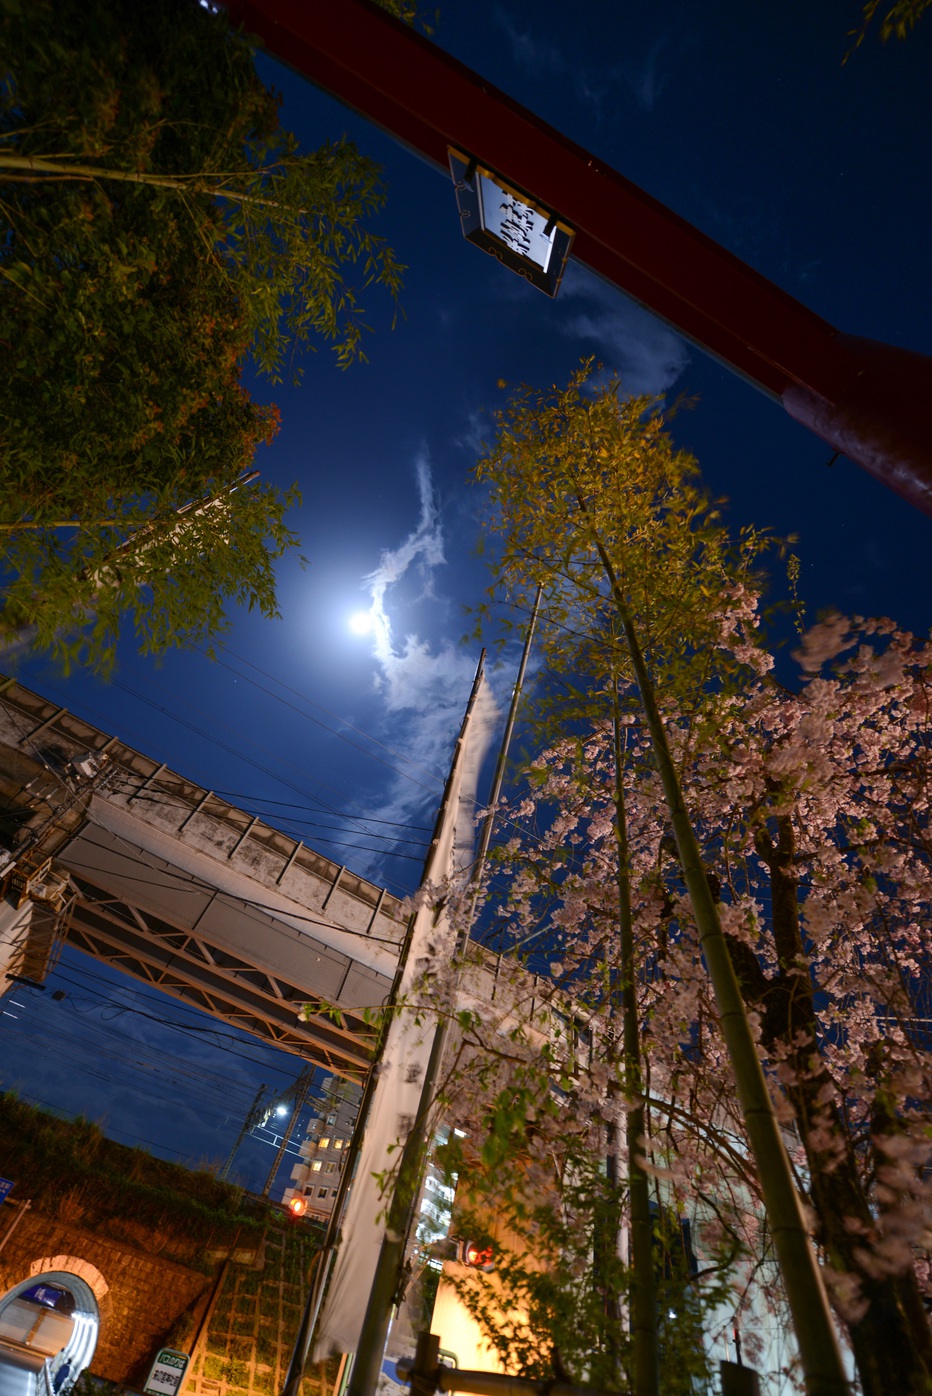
column 167, row 1373
column 510, row 236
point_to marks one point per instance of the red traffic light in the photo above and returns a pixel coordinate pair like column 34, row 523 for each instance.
column 476, row 1256
column 297, row 1206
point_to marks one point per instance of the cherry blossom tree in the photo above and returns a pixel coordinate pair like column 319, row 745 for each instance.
column 812, row 808
column 591, row 497
column 541, row 1159
column 808, row 815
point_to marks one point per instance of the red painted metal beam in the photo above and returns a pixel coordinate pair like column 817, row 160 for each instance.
column 868, row 401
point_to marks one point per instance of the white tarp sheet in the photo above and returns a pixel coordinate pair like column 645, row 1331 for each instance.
column 401, row 1073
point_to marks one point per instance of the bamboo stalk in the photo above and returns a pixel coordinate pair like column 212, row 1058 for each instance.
column 815, row 1332
column 643, row 1296
column 40, row 168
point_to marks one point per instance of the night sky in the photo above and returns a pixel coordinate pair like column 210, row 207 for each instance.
column 744, row 120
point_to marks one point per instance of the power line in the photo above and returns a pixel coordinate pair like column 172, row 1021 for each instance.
column 178, row 1005
column 185, row 1028
column 304, row 698
column 309, row 717
column 143, row 791
column 257, row 765
column 90, row 1069
column 198, row 886
column 66, row 1114
column 111, row 1129
column 224, row 746
column 168, row 1071
column 369, row 818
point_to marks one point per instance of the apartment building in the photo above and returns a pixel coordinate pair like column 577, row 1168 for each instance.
column 325, row 1147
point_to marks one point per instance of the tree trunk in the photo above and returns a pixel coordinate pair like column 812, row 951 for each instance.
column 891, row 1341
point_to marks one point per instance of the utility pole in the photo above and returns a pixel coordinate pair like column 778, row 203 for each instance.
column 299, row 1093
column 253, row 1116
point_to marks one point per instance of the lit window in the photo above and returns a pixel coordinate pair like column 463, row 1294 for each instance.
column 338, row 1143
column 325, row 1143
column 331, row 1168
column 315, row 1167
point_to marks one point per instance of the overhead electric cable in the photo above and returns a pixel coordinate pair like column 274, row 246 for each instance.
column 66, row 1114
column 282, row 914
column 244, row 1040
column 243, row 1037
column 304, row 698
column 258, row 745
column 139, row 1084
column 90, row 1035
column 369, row 818
column 398, row 755
column 215, row 740
column 143, row 790
column 257, row 765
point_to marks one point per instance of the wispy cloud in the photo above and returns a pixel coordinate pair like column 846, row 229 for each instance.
column 474, row 438
column 537, row 55
column 767, row 239
column 647, row 80
column 543, row 59
column 649, row 75
column 404, row 672
column 646, row 354
column 424, row 686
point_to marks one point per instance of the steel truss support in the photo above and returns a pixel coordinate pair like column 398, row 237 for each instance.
column 180, row 962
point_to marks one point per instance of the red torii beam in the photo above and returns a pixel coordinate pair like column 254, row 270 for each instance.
column 871, row 402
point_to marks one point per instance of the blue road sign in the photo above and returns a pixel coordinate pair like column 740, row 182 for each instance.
column 6, row 1187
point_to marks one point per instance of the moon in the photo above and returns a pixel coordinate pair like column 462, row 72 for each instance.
column 360, row 622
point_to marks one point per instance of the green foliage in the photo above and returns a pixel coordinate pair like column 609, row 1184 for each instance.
column 560, row 1292
column 158, row 229
column 402, row 9
column 106, row 1184
column 89, row 1385
column 172, row 574
column 582, row 480
column 649, row 599
column 897, row 22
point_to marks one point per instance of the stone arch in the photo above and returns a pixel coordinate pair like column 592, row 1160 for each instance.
column 61, row 1369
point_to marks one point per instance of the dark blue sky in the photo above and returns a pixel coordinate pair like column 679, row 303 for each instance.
column 745, row 121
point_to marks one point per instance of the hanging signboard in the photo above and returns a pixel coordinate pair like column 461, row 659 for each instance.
column 520, row 232
column 167, row 1373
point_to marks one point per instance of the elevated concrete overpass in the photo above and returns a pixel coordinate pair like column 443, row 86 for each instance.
column 147, row 871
